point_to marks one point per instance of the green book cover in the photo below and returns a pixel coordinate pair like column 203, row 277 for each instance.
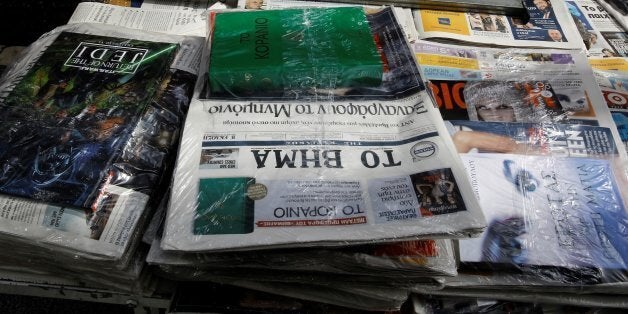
column 295, row 49
column 224, row 207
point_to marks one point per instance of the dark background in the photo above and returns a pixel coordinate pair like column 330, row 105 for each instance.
column 23, row 21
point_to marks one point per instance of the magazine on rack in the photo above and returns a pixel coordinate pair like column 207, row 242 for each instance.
column 91, row 116
column 514, row 85
column 310, row 164
column 549, row 25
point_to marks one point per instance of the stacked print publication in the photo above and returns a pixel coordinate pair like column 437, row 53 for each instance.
column 91, row 119
column 529, row 125
column 298, row 139
column 332, row 152
column 311, row 128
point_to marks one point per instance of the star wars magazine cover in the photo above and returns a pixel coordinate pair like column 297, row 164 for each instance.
column 91, row 117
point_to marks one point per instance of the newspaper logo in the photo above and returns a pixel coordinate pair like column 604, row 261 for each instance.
column 616, row 100
column 423, row 150
column 106, row 58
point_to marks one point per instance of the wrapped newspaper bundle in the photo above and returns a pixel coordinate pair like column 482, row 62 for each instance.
column 321, row 139
column 389, row 261
column 91, row 117
column 547, row 165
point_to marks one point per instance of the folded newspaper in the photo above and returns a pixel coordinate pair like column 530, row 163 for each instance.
column 549, row 25
column 618, row 9
column 91, row 115
column 309, row 164
column 603, row 37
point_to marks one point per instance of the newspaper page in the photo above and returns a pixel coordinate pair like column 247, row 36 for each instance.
column 549, row 25
column 618, row 9
column 106, row 227
column 603, row 37
column 299, row 165
column 178, row 22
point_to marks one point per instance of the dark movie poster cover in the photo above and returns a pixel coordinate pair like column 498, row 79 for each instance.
column 437, row 192
column 68, row 119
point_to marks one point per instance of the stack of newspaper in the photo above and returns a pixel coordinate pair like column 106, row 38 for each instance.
column 321, row 131
column 325, row 143
column 91, row 116
column 543, row 154
column 312, row 128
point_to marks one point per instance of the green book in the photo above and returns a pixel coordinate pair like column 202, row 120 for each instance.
column 224, row 207
column 264, row 51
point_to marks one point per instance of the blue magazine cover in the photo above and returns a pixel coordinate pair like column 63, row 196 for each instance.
column 561, row 212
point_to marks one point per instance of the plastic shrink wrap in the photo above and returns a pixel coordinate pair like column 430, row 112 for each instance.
column 315, row 142
column 548, row 167
column 91, row 118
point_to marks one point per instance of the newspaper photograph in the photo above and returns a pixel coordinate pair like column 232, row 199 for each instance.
column 332, row 165
column 549, row 25
column 603, row 37
column 515, row 85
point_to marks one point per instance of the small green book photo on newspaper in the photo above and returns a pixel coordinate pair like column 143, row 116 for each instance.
column 224, row 206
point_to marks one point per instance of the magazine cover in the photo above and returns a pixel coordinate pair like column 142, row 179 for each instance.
column 499, row 101
column 101, row 134
column 312, row 171
column 68, row 117
column 565, row 212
